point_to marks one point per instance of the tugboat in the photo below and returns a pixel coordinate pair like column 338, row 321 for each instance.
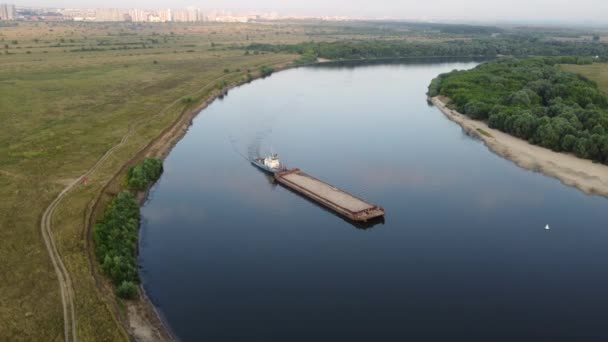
column 270, row 164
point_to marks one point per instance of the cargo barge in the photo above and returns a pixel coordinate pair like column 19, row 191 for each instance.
column 339, row 201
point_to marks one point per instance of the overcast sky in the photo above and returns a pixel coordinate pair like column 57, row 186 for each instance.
column 482, row 10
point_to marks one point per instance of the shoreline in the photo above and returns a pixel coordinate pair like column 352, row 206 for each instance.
column 141, row 319
column 585, row 175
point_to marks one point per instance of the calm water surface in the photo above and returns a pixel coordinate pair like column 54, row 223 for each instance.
column 463, row 254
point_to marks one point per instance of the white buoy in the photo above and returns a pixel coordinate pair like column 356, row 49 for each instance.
column 547, row 227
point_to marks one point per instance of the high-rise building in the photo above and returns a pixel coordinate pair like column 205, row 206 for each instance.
column 138, row 15
column 7, row 12
column 109, row 14
column 190, row 14
column 165, row 15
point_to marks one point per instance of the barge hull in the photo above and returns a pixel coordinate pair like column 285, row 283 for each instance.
column 329, row 196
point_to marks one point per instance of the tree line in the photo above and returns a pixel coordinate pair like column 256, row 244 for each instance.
column 116, row 235
column 535, row 100
column 512, row 45
column 116, row 244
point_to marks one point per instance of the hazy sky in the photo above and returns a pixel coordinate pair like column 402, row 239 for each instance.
column 483, row 10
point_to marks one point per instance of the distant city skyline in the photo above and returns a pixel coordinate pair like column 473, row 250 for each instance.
column 581, row 11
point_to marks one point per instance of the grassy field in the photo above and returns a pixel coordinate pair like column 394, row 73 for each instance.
column 597, row 72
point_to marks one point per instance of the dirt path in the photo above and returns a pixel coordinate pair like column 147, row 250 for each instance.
column 13, row 175
column 63, row 276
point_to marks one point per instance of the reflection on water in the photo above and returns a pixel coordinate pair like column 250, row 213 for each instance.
column 228, row 255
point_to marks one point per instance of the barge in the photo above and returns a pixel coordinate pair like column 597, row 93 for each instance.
column 339, row 201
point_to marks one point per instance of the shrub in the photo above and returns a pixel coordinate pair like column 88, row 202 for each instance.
column 141, row 176
column 266, row 71
column 221, row 85
column 127, row 290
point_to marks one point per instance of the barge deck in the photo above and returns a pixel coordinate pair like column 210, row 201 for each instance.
column 329, row 196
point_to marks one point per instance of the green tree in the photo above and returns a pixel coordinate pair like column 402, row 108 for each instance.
column 141, row 176
column 580, row 148
column 568, row 143
column 548, row 137
column 524, row 126
column 520, row 98
column 477, row 110
column 266, row 71
column 127, row 290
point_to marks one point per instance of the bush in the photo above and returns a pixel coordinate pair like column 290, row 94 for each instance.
column 221, row 85
column 266, row 71
column 127, row 290
column 141, row 176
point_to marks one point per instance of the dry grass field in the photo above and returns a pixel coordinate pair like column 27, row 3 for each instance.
column 597, row 72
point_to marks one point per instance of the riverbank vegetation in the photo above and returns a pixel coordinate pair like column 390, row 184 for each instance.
column 535, row 100
column 141, row 176
column 116, row 244
column 116, row 235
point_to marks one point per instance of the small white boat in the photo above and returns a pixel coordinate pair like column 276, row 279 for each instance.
column 270, row 164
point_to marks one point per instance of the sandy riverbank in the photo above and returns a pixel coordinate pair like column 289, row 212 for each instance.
column 583, row 174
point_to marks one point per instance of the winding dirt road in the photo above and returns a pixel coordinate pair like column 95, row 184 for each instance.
column 63, row 276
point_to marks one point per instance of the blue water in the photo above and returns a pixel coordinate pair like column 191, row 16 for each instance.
column 462, row 255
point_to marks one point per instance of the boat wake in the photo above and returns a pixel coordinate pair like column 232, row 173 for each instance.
column 255, row 148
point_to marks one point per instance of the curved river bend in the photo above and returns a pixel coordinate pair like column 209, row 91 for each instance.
column 463, row 254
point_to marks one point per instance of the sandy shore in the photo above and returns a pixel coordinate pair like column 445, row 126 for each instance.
column 583, row 174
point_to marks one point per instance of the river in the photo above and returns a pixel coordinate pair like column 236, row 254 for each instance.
column 463, row 253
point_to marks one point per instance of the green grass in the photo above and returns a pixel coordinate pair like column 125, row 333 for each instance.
column 596, row 72
column 484, row 132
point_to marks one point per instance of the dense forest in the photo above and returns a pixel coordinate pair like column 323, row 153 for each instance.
column 512, row 45
column 535, row 100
